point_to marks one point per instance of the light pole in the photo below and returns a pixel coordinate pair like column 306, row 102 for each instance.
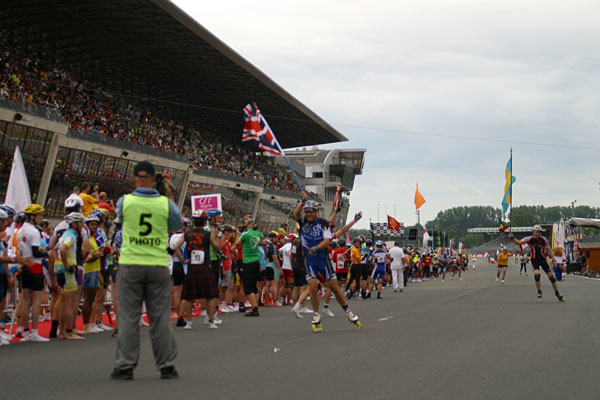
column 573, row 208
column 419, row 228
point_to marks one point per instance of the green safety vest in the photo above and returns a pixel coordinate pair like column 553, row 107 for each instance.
column 145, row 230
column 214, row 256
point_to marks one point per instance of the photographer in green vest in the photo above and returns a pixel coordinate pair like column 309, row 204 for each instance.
column 147, row 215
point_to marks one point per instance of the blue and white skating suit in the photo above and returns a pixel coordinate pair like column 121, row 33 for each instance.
column 379, row 257
column 318, row 266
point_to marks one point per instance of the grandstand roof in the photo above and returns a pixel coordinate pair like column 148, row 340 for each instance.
column 152, row 50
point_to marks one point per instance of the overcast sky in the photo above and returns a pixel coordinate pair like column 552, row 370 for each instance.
column 520, row 72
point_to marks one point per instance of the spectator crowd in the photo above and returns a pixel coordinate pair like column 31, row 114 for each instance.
column 87, row 106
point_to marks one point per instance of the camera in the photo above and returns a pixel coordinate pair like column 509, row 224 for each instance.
column 160, row 184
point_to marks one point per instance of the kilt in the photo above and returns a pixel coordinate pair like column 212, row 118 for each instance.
column 200, row 283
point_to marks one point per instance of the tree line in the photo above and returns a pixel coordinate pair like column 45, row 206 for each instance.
column 453, row 223
column 457, row 220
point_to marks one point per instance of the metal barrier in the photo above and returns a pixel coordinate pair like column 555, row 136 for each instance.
column 125, row 145
column 35, row 110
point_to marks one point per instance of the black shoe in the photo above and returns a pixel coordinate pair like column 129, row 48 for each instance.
column 253, row 313
column 349, row 295
column 369, row 295
column 180, row 322
column 378, row 295
column 122, row 374
column 168, row 373
column 260, row 303
column 242, row 308
column 115, row 332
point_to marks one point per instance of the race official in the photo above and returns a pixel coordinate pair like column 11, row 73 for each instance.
column 147, row 217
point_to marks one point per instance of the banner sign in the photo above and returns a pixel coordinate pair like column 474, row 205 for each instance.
column 206, row 202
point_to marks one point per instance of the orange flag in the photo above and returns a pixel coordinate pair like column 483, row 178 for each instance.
column 393, row 224
column 419, row 199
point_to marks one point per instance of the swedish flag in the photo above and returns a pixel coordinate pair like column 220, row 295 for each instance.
column 510, row 179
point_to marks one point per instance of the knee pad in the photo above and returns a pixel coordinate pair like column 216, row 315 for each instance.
column 552, row 279
column 537, row 277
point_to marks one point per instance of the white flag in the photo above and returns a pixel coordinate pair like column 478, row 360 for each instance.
column 17, row 193
column 425, row 237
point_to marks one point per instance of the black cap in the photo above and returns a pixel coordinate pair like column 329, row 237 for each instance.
column 227, row 228
column 144, row 169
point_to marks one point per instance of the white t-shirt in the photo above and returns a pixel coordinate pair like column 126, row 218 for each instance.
column 173, row 241
column 396, row 254
column 286, row 252
column 28, row 237
column 78, row 199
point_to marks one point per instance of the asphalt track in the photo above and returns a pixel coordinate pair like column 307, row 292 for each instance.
column 470, row 339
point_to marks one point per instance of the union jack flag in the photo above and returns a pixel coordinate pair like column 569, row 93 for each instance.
column 257, row 133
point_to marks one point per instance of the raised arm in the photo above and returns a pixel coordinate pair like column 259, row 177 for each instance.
column 349, row 225
column 298, row 211
column 512, row 237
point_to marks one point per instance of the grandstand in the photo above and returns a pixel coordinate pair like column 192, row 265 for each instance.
column 88, row 89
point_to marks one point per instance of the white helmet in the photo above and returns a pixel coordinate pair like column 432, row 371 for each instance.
column 537, row 228
column 3, row 214
column 92, row 218
column 73, row 201
column 74, row 217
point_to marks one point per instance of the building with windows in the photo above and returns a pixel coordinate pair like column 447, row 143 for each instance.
column 326, row 170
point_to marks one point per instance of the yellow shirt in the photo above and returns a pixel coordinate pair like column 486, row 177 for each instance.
column 88, row 203
column 92, row 266
column 355, row 255
column 503, row 258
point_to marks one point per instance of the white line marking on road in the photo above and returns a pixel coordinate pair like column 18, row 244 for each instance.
column 385, row 319
column 585, row 277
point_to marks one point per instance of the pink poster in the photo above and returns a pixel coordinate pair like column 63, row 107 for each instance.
column 206, row 202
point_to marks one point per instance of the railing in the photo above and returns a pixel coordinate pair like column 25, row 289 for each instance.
column 275, row 192
column 124, row 145
column 228, row 177
column 38, row 111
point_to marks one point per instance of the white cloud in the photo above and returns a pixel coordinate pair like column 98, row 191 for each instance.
column 520, row 71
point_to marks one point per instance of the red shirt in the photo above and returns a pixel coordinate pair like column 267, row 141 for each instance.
column 226, row 256
column 340, row 260
column 427, row 261
column 106, row 206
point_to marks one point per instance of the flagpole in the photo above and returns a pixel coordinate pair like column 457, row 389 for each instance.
column 282, row 152
column 510, row 194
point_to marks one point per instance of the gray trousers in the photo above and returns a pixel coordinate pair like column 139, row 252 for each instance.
column 137, row 284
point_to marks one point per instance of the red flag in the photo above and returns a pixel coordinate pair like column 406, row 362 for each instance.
column 503, row 228
column 419, row 199
column 393, row 224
